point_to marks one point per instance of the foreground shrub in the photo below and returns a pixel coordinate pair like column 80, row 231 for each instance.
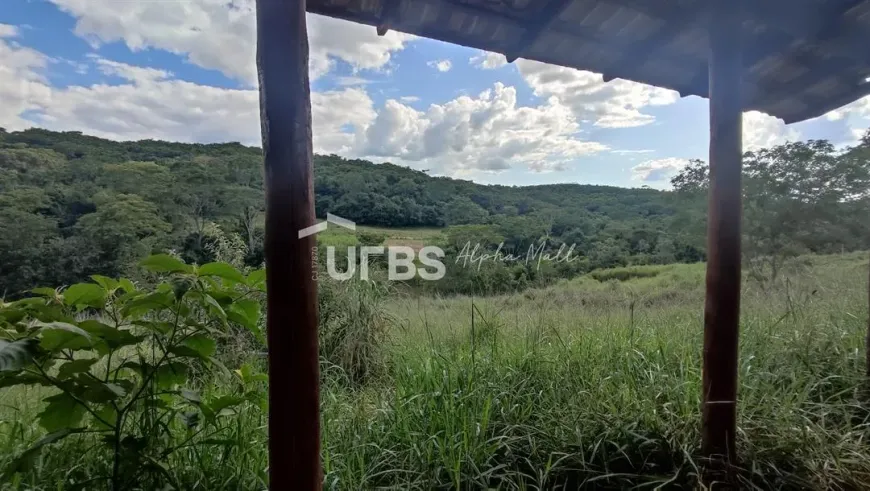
column 120, row 364
column 353, row 328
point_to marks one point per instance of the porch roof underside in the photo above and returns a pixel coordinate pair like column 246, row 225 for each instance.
column 802, row 58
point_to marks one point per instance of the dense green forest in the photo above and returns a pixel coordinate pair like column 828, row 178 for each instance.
column 73, row 205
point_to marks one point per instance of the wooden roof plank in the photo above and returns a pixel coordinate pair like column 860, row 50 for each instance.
column 775, row 31
column 666, row 34
column 545, row 22
column 389, row 12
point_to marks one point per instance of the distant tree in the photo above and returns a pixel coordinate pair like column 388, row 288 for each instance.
column 462, row 210
column 794, row 198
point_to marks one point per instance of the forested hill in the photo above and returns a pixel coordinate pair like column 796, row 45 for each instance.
column 73, row 205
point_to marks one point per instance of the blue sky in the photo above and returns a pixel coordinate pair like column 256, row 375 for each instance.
column 184, row 71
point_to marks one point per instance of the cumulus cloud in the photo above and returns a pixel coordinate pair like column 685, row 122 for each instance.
column 489, row 132
column 149, row 103
column 659, row 170
column 440, row 65
column 221, row 34
column 631, row 152
column 488, row 60
column 615, row 104
column 351, row 81
column 761, row 130
column 856, row 116
column 8, row 31
column 22, row 84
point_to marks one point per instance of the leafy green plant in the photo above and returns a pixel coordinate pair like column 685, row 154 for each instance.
column 121, row 363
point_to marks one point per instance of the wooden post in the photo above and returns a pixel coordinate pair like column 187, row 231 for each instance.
column 291, row 297
column 722, row 306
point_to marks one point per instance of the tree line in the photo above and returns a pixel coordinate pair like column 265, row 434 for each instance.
column 73, row 205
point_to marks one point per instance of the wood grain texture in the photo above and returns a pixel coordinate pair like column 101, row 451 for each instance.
column 722, row 305
column 291, row 315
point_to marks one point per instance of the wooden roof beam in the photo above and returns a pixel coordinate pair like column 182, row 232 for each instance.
column 389, row 12
column 549, row 15
column 842, row 34
column 818, row 69
column 669, row 31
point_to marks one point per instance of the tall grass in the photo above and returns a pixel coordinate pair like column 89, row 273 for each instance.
column 584, row 385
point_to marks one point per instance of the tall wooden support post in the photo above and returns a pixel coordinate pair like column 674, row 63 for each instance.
column 291, row 300
column 722, row 306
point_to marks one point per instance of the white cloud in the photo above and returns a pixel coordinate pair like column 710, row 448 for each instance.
column 151, row 104
column 22, row 85
column 630, row 152
column 488, row 60
column 409, row 99
column 440, row 65
column 657, row 171
column 488, row 133
column 856, row 117
column 8, row 31
column 221, row 34
column 762, row 131
column 615, row 104
column 130, row 72
column 351, row 81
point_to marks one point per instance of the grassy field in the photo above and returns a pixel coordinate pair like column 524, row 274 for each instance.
column 415, row 238
column 593, row 383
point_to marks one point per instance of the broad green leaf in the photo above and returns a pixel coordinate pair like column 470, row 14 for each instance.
column 61, row 326
column 85, row 295
column 257, row 279
column 27, row 458
column 203, row 345
column 221, row 270
column 12, row 379
column 108, row 414
column 222, row 298
column 62, row 412
column 63, row 335
column 161, row 327
column 91, row 390
column 184, row 351
column 15, row 355
column 114, row 338
column 245, row 322
column 151, row 302
column 74, row 367
column 250, row 309
column 248, row 375
column 170, row 374
column 12, row 315
column 164, row 263
column 45, row 292
column 219, row 406
column 209, row 302
column 107, row 283
column 127, row 285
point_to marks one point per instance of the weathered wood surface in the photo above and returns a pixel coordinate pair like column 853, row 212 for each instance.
column 291, row 316
column 722, row 305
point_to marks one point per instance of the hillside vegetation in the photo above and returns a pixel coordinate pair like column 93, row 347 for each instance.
column 73, row 205
column 594, row 383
